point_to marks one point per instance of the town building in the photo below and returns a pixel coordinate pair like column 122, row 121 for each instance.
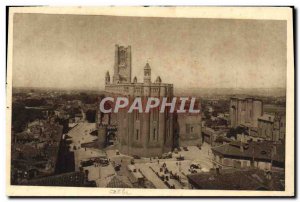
column 39, row 141
column 245, row 111
column 187, row 127
column 71, row 179
column 266, row 127
column 280, row 127
column 271, row 127
column 237, row 154
column 233, row 179
column 209, row 135
column 189, row 130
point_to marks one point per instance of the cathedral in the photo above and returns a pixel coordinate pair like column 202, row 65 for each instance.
column 142, row 134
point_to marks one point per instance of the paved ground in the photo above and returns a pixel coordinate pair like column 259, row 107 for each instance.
column 124, row 161
column 102, row 175
column 202, row 157
column 84, row 154
column 81, row 134
column 98, row 172
column 150, row 175
column 194, row 155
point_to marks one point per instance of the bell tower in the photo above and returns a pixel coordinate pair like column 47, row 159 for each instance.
column 122, row 67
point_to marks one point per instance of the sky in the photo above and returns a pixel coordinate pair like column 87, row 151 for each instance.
column 75, row 51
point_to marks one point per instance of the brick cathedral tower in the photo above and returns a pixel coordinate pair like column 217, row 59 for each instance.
column 143, row 134
column 122, row 67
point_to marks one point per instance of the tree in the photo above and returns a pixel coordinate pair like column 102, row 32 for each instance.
column 91, row 116
column 207, row 114
column 21, row 116
column 241, row 130
column 231, row 133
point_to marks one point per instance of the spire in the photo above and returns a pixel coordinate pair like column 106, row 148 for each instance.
column 107, row 78
column 135, row 80
column 158, row 79
column 147, row 66
column 147, row 74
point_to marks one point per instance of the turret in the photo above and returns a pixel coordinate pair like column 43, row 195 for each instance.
column 116, row 68
column 135, row 80
column 107, row 78
column 158, row 80
column 147, row 74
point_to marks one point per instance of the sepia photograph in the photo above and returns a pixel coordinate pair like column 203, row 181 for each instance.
column 150, row 101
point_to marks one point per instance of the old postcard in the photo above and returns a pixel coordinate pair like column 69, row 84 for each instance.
column 150, row 101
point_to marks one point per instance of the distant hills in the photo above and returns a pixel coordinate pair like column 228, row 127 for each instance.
column 207, row 92
column 199, row 92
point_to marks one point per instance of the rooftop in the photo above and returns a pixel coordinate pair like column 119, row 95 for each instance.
column 66, row 179
column 118, row 182
column 241, row 97
column 258, row 150
column 232, row 179
column 267, row 117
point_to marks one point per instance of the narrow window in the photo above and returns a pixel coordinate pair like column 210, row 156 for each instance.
column 137, row 134
column 155, row 114
column 137, row 116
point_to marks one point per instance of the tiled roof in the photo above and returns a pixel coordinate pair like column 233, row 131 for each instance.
column 236, row 180
column 210, row 131
column 27, row 151
column 258, row 150
column 267, row 117
column 223, row 139
column 116, row 182
column 66, row 179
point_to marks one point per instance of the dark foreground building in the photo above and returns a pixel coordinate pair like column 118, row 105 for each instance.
column 232, row 179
